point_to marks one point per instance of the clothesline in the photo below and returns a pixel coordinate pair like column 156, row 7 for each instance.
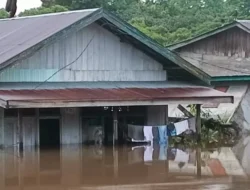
column 138, row 133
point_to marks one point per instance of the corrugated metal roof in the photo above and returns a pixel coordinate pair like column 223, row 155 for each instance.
column 19, row 34
column 21, row 37
column 54, row 96
column 220, row 68
column 93, row 85
column 243, row 24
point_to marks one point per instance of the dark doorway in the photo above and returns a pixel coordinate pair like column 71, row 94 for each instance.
column 108, row 130
column 49, row 132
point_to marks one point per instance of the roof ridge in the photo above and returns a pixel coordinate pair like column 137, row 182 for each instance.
column 51, row 14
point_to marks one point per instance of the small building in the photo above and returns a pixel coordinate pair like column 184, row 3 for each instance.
column 66, row 76
column 221, row 59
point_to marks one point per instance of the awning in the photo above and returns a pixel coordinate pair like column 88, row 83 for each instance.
column 95, row 97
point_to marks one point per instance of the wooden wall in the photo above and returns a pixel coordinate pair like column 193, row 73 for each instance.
column 105, row 59
column 231, row 43
column 70, row 126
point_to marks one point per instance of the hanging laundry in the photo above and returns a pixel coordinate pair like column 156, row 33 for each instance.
column 162, row 134
column 181, row 127
column 191, row 124
column 135, row 133
column 171, row 131
column 156, row 134
column 148, row 133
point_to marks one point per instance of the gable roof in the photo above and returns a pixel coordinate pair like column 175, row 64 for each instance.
column 243, row 24
column 22, row 37
column 222, row 69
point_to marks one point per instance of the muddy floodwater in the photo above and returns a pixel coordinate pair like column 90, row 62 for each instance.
column 155, row 167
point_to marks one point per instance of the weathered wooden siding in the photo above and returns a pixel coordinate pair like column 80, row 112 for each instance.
column 156, row 115
column 231, row 43
column 105, row 59
column 29, row 130
column 10, row 132
column 70, row 129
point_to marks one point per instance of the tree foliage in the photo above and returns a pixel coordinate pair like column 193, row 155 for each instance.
column 43, row 10
column 3, row 14
column 166, row 21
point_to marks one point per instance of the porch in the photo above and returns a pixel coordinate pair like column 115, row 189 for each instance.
column 71, row 114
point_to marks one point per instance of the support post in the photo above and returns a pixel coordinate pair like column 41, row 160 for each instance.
column 198, row 120
column 166, row 115
column 166, row 123
column 115, row 126
column 198, row 162
column 20, row 130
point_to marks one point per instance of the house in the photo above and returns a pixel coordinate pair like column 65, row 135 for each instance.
column 222, row 60
column 65, row 76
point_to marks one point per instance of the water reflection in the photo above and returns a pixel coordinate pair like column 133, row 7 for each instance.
column 141, row 167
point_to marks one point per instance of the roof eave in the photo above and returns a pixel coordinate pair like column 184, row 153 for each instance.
column 230, row 79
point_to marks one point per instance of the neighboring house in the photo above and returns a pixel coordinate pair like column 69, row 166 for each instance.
column 64, row 74
column 222, row 60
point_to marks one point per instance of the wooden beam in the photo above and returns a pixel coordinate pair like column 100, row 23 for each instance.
column 61, row 103
column 185, row 111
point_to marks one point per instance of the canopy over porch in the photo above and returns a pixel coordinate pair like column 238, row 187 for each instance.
column 113, row 94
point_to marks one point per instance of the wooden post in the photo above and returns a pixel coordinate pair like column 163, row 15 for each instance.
column 166, row 115
column 115, row 126
column 198, row 120
column 20, row 130
column 166, row 123
column 198, row 162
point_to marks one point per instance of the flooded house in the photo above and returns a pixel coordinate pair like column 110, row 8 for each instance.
column 67, row 77
column 221, row 60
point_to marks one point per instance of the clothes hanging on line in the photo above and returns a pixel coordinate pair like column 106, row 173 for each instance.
column 148, row 133
column 181, row 127
column 162, row 134
column 135, row 132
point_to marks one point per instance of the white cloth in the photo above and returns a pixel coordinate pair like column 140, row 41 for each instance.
column 181, row 127
column 181, row 156
column 148, row 133
column 148, row 154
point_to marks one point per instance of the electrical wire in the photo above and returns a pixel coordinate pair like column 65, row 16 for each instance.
column 78, row 57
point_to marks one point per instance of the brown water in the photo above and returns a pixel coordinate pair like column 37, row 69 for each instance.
column 80, row 167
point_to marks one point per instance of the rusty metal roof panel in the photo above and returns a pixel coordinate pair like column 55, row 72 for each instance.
column 19, row 34
column 123, row 94
column 93, row 85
